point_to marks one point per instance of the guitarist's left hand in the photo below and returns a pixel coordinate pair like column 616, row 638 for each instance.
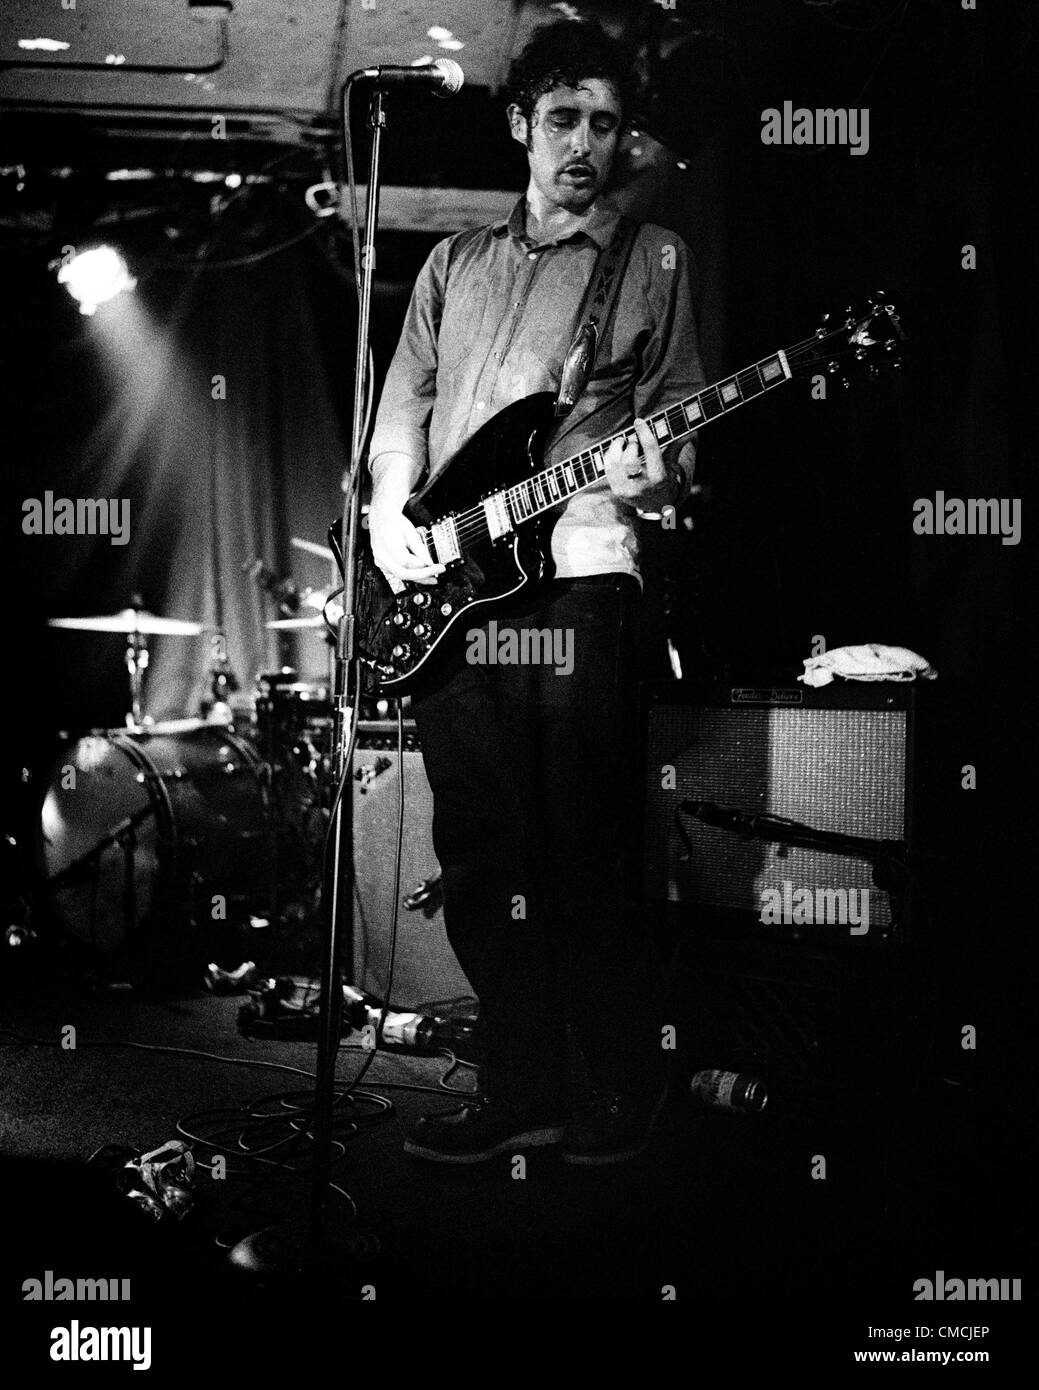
column 637, row 473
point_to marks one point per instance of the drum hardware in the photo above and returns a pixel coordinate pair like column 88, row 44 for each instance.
column 292, row 729
column 288, row 594
column 284, row 589
column 124, row 835
column 192, row 819
column 312, row 548
column 317, row 598
column 223, row 682
column 295, row 624
column 138, row 625
column 286, row 801
column 311, row 598
column 119, row 834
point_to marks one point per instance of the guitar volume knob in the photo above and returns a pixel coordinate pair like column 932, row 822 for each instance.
column 420, row 600
column 422, row 630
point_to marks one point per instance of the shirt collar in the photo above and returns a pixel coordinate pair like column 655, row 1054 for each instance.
column 599, row 227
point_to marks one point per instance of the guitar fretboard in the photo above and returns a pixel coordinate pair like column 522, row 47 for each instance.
column 544, row 490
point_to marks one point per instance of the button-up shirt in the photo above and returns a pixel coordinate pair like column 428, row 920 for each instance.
column 490, row 320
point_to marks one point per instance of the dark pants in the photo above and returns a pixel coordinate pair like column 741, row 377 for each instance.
column 537, row 829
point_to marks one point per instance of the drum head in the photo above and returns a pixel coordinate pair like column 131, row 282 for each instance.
column 151, row 833
column 98, row 834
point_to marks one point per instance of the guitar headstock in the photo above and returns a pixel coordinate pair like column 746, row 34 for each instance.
column 863, row 338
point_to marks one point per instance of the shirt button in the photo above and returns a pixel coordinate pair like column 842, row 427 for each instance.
column 532, row 255
column 480, row 405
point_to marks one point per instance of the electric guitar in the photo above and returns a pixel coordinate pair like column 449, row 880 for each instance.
column 487, row 515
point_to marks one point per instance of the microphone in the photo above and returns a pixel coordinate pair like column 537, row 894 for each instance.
column 722, row 817
column 444, row 76
column 286, row 591
column 887, row 855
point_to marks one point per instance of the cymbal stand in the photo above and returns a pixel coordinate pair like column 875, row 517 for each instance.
column 136, row 665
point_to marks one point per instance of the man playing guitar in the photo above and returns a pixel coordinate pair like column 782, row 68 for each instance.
column 533, row 769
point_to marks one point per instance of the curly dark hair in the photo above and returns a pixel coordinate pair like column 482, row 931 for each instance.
column 564, row 54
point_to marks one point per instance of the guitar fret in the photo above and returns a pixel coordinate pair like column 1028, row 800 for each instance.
column 670, row 424
column 711, row 403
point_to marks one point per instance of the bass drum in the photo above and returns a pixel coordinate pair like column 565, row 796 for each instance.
column 143, row 833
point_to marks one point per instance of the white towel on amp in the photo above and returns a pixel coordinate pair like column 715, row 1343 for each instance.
column 871, row 662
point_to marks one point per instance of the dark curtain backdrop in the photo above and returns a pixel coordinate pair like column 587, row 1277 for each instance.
column 217, row 472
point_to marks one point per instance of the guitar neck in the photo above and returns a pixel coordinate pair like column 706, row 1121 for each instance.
column 542, row 491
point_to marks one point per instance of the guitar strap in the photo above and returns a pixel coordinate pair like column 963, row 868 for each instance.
column 596, row 312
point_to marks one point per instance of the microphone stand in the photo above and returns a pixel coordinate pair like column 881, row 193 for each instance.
column 290, row 1248
column 339, row 890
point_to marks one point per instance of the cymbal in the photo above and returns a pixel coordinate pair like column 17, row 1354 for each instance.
column 311, row 547
column 131, row 620
column 295, row 624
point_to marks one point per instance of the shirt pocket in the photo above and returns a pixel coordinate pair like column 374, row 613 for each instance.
column 463, row 332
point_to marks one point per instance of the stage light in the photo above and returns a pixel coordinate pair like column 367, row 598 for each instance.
column 94, row 276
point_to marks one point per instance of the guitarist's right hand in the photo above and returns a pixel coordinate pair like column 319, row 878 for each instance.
column 397, row 546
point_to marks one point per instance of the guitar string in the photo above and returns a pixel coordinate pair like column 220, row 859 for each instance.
column 472, row 523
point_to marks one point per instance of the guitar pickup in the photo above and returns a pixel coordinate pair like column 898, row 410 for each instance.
column 445, row 539
column 496, row 513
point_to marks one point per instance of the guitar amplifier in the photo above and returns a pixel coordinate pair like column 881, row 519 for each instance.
column 425, row 968
column 835, row 759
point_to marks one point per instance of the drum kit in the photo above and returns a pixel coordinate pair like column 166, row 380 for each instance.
column 191, row 822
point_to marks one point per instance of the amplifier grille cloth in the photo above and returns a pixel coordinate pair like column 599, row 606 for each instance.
column 833, row 769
